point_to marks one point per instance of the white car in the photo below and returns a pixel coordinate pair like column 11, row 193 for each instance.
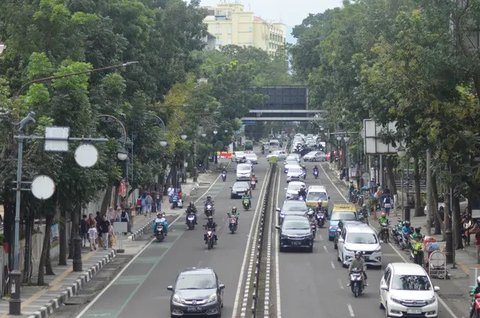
column 293, row 188
column 237, row 155
column 293, row 157
column 315, row 156
column 289, row 166
column 406, row 290
column 294, row 173
column 359, row 237
column 252, row 157
column 280, row 154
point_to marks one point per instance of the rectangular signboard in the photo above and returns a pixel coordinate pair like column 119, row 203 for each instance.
column 56, row 139
column 372, row 136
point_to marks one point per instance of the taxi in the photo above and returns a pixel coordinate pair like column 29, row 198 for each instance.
column 340, row 211
column 315, row 194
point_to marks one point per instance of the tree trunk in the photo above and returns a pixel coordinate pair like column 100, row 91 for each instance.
column 106, row 199
column 457, row 224
column 418, row 199
column 70, row 239
column 62, row 236
column 390, row 176
column 29, row 220
column 45, row 250
column 439, row 228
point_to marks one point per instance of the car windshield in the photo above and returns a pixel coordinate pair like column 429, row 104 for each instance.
column 244, row 168
column 294, row 187
column 295, row 170
column 296, row 225
column 240, row 185
column 343, row 216
column 317, row 196
column 411, row 282
column 300, row 206
column 362, row 238
column 196, row 281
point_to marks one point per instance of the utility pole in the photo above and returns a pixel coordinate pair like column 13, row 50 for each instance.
column 429, row 194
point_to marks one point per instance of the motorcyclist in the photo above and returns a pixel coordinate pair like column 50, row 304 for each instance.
column 209, row 201
column 234, row 213
column 161, row 219
column 417, row 246
column 417, row 235
column 407, row 229
column 191, row 209
column 253, row 178
column 315, row 169
column 359, row 263
column 383, row 220
column 211, row 225
column 304, row 171
column 351, row 191
column 246, row 196
column 302, row 193
column 475, row 290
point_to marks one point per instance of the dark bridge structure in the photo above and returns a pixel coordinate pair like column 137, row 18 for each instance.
column 284, row 103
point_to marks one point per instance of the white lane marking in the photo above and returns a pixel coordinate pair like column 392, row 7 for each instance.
column 331, row 181
column 340, row 283
column 350, row 310
column 266, row 306
column 251, row 244
column 331, row 264
column 133, row 259
column 320, row 237
column 444, row 304
column 325, row 248
column 277, row 260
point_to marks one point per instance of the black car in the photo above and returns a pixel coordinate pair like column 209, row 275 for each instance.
column 239, row 188
column 296, row 232
column 197, row 292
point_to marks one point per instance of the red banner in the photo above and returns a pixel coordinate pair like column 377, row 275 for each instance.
column 122, row 188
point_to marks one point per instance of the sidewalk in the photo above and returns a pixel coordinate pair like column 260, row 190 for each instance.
column 454, row 291
column 41, row 301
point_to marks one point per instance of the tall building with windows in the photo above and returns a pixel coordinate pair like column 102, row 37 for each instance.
column 229, row 23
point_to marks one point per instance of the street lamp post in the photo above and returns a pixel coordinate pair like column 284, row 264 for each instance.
column 215, row 158
column 347, row 160
column 15, row 300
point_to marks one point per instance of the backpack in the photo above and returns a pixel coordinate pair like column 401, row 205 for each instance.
column 387, row 200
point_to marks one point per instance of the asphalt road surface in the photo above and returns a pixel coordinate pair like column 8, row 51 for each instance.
column 315, row 284
column 141, row 289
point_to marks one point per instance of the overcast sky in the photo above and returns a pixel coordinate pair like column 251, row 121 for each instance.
column 290, row 12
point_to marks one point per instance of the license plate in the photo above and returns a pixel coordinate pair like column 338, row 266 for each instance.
column 414, row 311
column 193, row 309
column 296, row 243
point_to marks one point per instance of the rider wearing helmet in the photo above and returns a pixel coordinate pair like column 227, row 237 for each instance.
column 383, row 220
column 162, row 219
column 417, row 235
column 475, row 290
column 304, row 171
column 211, row 225
column 302, row 192
column 234, row 212
column 406, row 229
column 191, row 209
column 358, row 262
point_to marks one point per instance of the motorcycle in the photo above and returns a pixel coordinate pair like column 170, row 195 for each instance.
column 397, row 232
column 191, row 220
column 405, row 241
column 232, row 224
column 174, row 201
column 475, row 307
column 384, row 233
column 253, row 183
column 315, row 174
column 210, row 239
column 301, row 198
column 159, row 234
column 224, row 176
column 246, row 203
column 209, row 209
column 338, row 233
column 356, row 281
column 320, row 219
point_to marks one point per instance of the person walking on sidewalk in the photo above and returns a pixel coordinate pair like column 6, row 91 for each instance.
column 124, row 217
column 84, row 230
column 148, row 204
column 104, row 230
column 93, row 235
column 467, row 226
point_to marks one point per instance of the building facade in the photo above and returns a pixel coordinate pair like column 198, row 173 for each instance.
column 229, row 23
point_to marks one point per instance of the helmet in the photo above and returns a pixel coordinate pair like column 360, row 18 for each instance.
column 159, row 215
column 417, row 229
column 407, row 223
column 383, row 214
column 253, row 174
column 210, row 218
column 234, row 209
column 192, row 204
column 478, row 280
column 357, row 254
column 209, row 197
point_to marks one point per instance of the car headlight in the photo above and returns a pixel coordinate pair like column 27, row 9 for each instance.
column 347, row 250
column 177, row 299
column 378, row 249
column 398, row 301
column 212, row 298
column 283, row 236
column 431, row 300
column 282, row 215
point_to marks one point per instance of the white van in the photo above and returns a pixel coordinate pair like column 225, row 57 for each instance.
column 244, row 171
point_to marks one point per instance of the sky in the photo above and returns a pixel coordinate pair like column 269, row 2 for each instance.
column 289, row 12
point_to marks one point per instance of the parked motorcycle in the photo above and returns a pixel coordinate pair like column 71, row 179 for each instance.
column 159, row 234
column 246, row 203
column 356, row 281
column 191, row 220
column 232, row 224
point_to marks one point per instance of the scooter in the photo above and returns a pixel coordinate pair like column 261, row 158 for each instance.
column 224, row 176
column 232, row 224
column 356, row 281
column 159, row 234
column 174, row 201
column 320, row 219
column 315, row 174
column 253, row 183
column 210, row 239
column 209, row 210
column 384, row 233
column 475, row 307
column 246, row 203
column 191, row 220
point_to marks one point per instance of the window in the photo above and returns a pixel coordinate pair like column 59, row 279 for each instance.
column 362, row 238
column 411, row 282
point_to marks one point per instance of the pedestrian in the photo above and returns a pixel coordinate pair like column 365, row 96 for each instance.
column 171, row 193
column 467, row 226
column 93, row 235
column 98, row 219
column 158, row 202
column 148, row 204
column 104, row 230
column 139, row 204
column 144, row 203
column 124, row 217
column 84, row 230
column 112, row 239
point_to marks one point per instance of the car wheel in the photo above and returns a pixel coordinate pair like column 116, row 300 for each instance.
column 282, row 249
column 380, row 304
column 338, row 256
column 343, row 262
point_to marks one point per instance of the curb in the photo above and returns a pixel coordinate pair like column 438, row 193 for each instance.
column 73, row 289
column 139, row 232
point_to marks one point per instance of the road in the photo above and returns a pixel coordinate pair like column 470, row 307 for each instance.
column 314, row 284
column 141, row 289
